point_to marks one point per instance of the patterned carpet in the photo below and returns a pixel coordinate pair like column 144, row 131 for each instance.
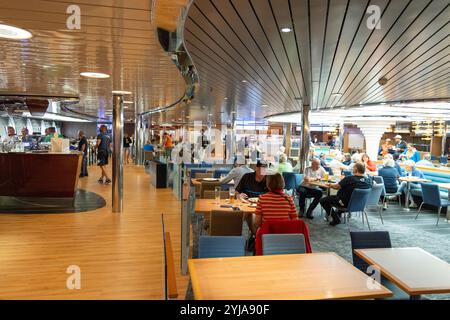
column 403, row 229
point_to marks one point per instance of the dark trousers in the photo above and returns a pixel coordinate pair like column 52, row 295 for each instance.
column 305, row 192
column 84, row 171
column 329, row 202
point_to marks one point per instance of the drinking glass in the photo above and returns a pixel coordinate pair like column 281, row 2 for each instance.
column 217, row 194
column 326, row 176
column 232, row 192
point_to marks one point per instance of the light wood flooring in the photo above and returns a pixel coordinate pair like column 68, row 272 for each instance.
column 120, row 255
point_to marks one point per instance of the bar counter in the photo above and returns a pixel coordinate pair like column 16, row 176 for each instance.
column 38, row 174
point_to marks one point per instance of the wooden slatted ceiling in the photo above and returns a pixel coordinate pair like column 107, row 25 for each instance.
column 331, row 50
column 167, row 13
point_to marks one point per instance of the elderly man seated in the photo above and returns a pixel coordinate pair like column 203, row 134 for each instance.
column 306, row 190
column 411, row 171
column 337, row 165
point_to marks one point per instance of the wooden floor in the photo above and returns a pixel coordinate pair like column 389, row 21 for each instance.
column 120, row 255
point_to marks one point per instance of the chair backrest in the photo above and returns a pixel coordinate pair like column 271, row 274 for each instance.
column 380, row 180
column 283, row 243
column 431, row 194
column 219, row 172
column 193, row 172
column 368, row 240
column 298, row 179
column 226, row 223
column 443, row 159
column 202, row 175
column 282, row 227
column 289, row 180
column 221, row 247
column 358, row 200
column 347, row 173
column 208, row 194
column 208, row 186
column 375, row 194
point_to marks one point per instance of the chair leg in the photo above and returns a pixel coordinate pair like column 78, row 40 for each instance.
column 380, row 210
column 420, row 208
column 364, row 213
column 438, row 215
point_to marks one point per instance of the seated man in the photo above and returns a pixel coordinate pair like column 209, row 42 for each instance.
column 313, row 173
column 236, row 174
column 390, row 175
column 345, row 189
column 411, row 171
column 253, row 184
column 284, row 165
column 426, row 161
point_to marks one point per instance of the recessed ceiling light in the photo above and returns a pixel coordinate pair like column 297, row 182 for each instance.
column 96, row 75
column 225, row 98
column 244, row 81
column 121, row 92
column 286, row 30
column 13, row 33
column 128, row 102
column 336, row 94
column 264, row 106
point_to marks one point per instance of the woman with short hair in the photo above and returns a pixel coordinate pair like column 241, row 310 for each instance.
column 276, row 204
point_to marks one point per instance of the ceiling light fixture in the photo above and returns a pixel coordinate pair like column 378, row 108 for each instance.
column 95, row 75
column 13, row 33
column 286, row 29
column 121, row 92
column 244, row 81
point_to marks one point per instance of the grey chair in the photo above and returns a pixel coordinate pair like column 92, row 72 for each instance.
column 385, row 194
column 283, row 244
column 374, row 199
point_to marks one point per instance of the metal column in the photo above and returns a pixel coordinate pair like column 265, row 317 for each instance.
column 117, row 156
column 305, row 139
column 138, row 141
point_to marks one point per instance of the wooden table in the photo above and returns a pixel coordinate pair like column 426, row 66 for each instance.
column 198, row 182
column 413, row 270
column 205, row 206
column 281, row 277
column 408, row 181
column 447, row 187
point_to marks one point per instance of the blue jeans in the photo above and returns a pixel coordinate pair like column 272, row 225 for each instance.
column 412, row 186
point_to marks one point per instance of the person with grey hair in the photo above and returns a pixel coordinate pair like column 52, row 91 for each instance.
column 83, row 147
column 426, row 161
column 390, row 176
column 11, row 136
column 284, row 165
column 411, row 171
column 236, row 174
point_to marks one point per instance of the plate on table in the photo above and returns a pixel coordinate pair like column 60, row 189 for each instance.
column 253, row 200
column 210, row 179
column 252, row 205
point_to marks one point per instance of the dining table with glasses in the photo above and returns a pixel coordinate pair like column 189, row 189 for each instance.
column 408, row 181
column 326, row 182
column 309, row 276
column 413, row 270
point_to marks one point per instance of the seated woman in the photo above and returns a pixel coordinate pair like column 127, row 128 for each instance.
column 274, row 205
column 284, row 165
column 390, row 175
column 370, row 166
column 337, row 165
column 411, row 153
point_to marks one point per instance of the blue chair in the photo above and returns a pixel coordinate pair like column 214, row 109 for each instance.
column 374, row 240
column 384, row 194
column 357, row 203
column 374, row 199
column 283, row 244
column 290, row 182
column 298, row 179
column 443, row 160
column 221, row 246
column 432, row 196
column 219, row 172
column 347, row 173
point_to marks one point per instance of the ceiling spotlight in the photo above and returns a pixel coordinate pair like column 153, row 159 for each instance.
column 225, row 98
column 286, row 30
column 10, row 32
column 121, row 92
column 244, row 81
column 128, row 102
column 264, row 106
column 96, row 75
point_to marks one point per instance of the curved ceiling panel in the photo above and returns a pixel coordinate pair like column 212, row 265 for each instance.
column 116, row 37
column 330, row 58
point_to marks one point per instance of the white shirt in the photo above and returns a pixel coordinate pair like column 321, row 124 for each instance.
column 337, row 166
column 236, row 174
column 310, row 173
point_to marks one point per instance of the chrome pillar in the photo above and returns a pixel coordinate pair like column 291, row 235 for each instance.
column 305, row 139
column 139, row 141
column 117, row 156
column 444, row 141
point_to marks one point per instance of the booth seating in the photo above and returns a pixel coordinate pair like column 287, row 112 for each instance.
column 436, row 177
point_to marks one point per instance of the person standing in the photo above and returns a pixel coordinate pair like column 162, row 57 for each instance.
column 83, row 147
column 126, row 148
column 400, row 145
column 26, row 138
column 103, row 147
column 168, row 145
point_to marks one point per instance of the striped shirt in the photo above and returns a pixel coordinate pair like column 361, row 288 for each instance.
column 275, row 206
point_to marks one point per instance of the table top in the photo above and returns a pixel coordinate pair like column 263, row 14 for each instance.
column 414, row 270
column 413, row 179
column 205, row 206
column 198, row 182
column 444, row 186
column 294, row 276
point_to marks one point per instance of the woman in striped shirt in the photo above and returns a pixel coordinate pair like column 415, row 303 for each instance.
column 274, row 205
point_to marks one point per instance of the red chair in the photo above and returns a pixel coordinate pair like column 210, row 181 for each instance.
column 281, row 227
